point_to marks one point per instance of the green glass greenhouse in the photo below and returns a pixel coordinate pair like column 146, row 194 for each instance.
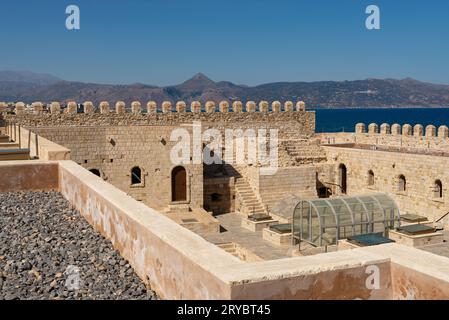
column 322, row 222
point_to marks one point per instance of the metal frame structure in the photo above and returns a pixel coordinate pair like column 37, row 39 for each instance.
column 325, row 221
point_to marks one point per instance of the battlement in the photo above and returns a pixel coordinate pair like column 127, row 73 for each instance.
column 152, row 107
column 407, row 130
column 292, row 120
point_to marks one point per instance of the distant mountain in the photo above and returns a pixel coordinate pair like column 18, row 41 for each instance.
column 28, row 77
column 380, row 93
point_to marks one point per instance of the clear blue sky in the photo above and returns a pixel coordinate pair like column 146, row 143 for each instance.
column 250, row 42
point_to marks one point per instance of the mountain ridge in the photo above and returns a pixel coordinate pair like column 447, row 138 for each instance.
column 381, row 93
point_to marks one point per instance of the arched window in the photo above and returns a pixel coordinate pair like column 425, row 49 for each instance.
column 370, row 178
column 95, row 172
column 343, row 175
column 136, row 175
column 402, row 183
column 179, row 184
column 438, row 189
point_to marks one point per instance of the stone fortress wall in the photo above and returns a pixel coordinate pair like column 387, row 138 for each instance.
column 113, row 142
column 289, row 119
column 378, row 157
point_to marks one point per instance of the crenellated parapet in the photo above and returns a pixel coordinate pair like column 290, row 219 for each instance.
column 120, row 107
column 406, row 130
column 290, row 119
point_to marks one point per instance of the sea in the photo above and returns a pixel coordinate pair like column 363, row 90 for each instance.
column 344, row 120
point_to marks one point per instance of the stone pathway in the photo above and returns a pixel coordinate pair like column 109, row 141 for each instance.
column 252, row 241
column 439, row 249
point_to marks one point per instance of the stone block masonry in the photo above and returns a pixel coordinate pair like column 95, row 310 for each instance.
column 290, row 124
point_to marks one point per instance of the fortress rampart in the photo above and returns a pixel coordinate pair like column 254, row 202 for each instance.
column 291, row 120
column 395, row 135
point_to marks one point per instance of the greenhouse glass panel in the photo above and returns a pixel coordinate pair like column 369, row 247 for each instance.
column 325, row 221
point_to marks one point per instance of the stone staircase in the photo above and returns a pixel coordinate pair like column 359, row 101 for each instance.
column 229, row 248
column 250, row 202
column 300, row 151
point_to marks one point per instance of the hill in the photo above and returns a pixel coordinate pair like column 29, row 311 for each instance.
column 380, row 93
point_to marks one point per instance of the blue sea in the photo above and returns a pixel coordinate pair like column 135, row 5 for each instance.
column 338, row 120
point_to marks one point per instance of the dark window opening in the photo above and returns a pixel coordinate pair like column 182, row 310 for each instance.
column 343, row 175
column 438, row 189
column 370, row 178
column 136, row 175
column 402, row 183
column 95, row 172
column 324, row 192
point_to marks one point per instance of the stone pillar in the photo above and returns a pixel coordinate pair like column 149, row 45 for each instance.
column 210, row 107
column 301, row 106
column 431, row 131
column 418, row 130
column 237, row 106
column 72, row 107
column 38, row 107
column 396, row 129
column 263, row 106
column 166, row 107
column 373, row 128
column 443, row 132
column 385, row 128
column 120, row 107
column 136, row 107
column 151, row 107
column 360, row 128
column 55, row 108
column 276, row 106
column 20, row 108
column 181, row 107
column 250, row 106
column 104, row 107
column 288, row 106
column 88, row 107
column 224, row 107
column 406, row 130
column 195, row 107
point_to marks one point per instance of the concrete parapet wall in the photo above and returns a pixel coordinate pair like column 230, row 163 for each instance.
column 39, row 146
column 179, row 264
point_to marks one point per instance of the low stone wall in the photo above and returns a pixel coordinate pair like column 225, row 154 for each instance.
column 40, row 147
column 181, row 265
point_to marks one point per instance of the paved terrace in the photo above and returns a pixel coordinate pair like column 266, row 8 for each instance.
column 441, row 249
column 247, row 239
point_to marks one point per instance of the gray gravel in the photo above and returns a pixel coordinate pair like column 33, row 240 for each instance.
column 49, row 251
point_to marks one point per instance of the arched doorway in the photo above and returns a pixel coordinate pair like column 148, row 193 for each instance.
column 179, row 184
column 343, row 176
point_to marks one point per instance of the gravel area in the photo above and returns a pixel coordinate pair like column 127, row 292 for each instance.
column 49, row 251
